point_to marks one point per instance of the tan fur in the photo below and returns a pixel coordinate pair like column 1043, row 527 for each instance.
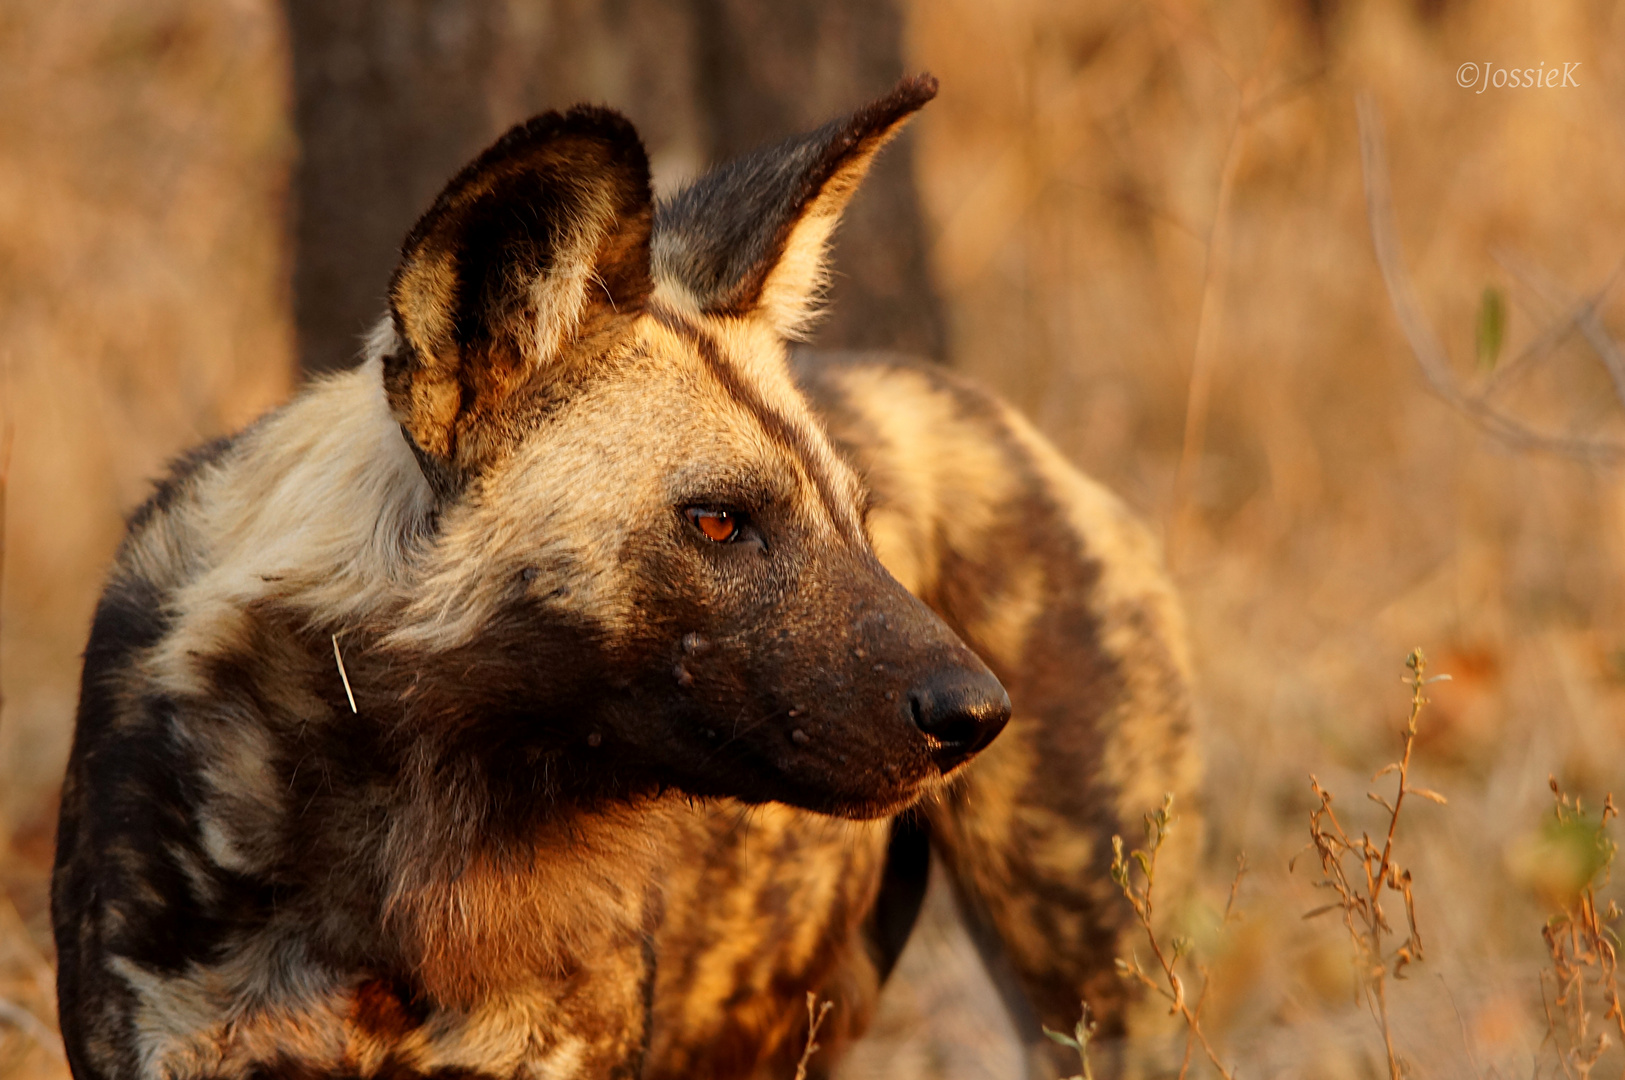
column 323, row 519
column 183, row 1037
column 496, row 924
column 934, row 480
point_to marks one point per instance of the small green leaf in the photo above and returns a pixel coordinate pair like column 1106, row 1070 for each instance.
column 1492, row 327
column 1064, row 1040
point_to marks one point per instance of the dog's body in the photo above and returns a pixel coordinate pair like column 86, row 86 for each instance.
column 482, row 711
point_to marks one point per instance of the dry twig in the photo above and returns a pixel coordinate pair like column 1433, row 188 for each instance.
column 815, row 1019
column 1429, row 351
column 1358, row 882
column 1256, row 95
column 338, row 658
column 1141, row 898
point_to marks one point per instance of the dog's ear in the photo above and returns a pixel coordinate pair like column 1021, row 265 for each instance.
column 529, row 264
column 749, row 239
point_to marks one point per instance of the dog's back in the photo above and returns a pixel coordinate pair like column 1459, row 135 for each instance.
column 1062, row 589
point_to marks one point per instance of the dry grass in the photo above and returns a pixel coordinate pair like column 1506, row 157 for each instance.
column 1152, row 230
column 1581, row 941
column 1358, row 872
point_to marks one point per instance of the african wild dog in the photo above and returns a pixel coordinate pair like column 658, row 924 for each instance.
column 535, row 699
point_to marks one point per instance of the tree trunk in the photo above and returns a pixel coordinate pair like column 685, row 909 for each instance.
column 392, row 96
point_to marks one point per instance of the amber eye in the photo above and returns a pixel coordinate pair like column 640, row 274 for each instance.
column 719, row 525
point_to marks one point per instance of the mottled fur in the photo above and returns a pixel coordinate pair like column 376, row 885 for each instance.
column 1051, row 579
column 611, row 796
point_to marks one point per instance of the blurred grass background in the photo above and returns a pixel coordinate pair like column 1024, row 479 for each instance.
column 1145, row 224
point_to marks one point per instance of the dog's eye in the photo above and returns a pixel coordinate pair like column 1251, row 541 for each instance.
column 722, row 526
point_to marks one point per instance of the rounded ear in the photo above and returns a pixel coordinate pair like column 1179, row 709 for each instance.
column 529, row 264
column 751, row 238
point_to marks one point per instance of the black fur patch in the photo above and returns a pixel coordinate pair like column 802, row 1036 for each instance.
column 129, row 869
column 128, row 619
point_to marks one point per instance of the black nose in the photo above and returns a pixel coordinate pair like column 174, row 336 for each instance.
column 961, row 709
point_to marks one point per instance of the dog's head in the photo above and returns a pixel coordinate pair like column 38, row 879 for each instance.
column 647, row 551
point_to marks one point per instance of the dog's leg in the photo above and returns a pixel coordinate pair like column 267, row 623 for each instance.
column 902, row 892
